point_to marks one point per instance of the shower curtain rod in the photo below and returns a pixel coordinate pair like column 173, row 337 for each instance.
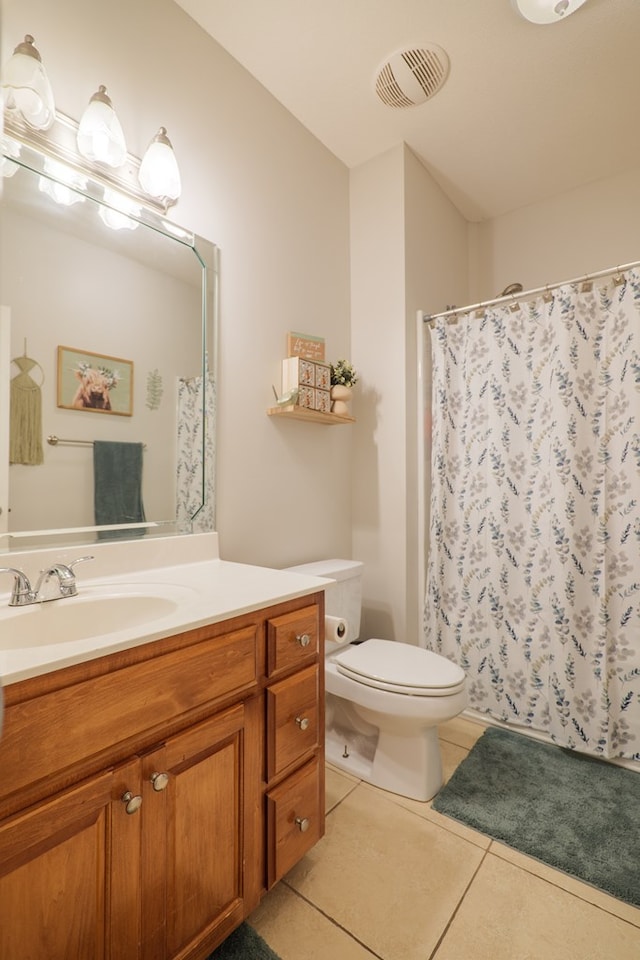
column 430, row 318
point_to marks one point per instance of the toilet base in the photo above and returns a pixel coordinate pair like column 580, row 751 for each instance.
column 410, row 766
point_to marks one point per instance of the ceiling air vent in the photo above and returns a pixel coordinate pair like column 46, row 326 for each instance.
column 410, row 77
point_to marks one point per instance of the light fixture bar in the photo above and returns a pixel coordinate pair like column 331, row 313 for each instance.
column 59, row 142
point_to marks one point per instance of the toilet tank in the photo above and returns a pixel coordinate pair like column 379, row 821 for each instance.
column 344, row 597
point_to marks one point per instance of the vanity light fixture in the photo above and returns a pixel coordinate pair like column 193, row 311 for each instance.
column 546, row 11
column 100, row 136
column 119, row 213
column 9, row 149
column 25, row 87
column 159, row 174
column 59, row 185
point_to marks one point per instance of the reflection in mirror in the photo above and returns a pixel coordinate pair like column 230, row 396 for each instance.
column 108, row 325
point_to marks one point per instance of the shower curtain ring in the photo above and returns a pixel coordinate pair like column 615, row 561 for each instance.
column 618, row 278
column 587, row 284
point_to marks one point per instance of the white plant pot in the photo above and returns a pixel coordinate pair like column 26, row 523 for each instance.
column 340, row 397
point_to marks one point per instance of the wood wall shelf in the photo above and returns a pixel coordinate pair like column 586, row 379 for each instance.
column 311, row 416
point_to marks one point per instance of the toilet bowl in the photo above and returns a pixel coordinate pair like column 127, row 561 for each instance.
column 384, row 699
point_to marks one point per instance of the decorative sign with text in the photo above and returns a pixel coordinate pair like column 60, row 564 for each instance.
column 305, row 345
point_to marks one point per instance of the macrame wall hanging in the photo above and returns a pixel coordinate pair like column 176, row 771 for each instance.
column 25, row 429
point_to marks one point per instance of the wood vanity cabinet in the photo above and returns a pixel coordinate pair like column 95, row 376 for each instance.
column 149, row 798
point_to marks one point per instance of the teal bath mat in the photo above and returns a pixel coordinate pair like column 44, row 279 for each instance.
column 244, row 944
column 568, row 810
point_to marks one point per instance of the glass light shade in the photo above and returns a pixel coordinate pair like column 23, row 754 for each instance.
column 60, row 189
column 25, row 87
column 546, row 11
column 9, row 149
column 159, row 174
column 118, row 215
column 100, row 136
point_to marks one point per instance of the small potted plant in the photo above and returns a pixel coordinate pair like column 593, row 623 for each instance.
column 343, row 378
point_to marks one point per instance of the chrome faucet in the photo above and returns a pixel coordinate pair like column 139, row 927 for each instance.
column 22, row 592
column 65, row 585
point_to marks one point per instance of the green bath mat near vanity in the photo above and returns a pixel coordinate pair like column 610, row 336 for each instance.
column 244, row 944
column 568, row 810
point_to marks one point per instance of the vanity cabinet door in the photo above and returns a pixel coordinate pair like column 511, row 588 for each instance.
column 193, row 836
column 63, row 880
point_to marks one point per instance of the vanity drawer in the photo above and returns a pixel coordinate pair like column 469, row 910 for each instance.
column 292, row 639
column 292, row 719
column 104, row 711
column 295, row 817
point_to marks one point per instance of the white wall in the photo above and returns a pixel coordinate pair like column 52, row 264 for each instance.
column 584, row 230
column 276, row 201
column 408, row 250
column 436, row 273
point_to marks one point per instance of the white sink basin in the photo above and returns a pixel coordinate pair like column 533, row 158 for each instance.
column 93, row 613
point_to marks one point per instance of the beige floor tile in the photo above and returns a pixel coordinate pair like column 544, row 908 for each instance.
column 461, row 731
column 568, row 883
column 452, row 755
column 338, row 785
column 509, row 914
column 298, row 932
column 389, row 877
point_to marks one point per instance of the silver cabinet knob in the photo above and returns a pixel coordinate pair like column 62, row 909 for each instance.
column 303, row 639
column 303, row 722
column 303, row 824
column 159, row 781
column 132, row 803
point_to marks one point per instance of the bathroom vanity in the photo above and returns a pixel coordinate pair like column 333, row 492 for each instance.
column 156, row 786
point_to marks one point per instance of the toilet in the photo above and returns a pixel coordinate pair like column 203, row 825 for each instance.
column 384, row 699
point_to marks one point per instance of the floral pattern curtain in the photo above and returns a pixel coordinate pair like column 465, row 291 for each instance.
column 195, row 481
column 533, row 577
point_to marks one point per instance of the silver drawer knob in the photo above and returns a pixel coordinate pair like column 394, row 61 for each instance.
column 303, row 639
column 159, row 781
column 132, row 802
column 303, row 722
column 303, row 824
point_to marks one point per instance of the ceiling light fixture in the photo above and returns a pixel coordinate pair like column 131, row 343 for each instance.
column 100, row 136
column 159, row 174
column 546, row 11
column 25, row 87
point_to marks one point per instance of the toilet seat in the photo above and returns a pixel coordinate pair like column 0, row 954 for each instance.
column 400, row 668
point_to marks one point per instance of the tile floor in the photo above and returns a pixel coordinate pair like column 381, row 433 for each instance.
column 392, row 879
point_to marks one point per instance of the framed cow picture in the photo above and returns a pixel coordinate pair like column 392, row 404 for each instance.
column 94, row 382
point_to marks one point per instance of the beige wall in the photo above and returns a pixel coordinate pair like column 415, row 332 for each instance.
column 408, row 250
column 276, row 201
column 588, row 229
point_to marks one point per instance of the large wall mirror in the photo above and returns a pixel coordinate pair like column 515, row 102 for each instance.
column 131, row 298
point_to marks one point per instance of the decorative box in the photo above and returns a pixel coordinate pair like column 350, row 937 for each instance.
column 323, row 401
column 323, row 376
column 307, row 397
column 300, row 374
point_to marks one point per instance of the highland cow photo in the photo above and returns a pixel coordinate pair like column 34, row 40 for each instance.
column 93, row 382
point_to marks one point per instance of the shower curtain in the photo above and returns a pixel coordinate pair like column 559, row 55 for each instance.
column 533, row 575
column 195, row 476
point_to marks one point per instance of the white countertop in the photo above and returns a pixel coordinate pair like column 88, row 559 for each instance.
column 187, row 569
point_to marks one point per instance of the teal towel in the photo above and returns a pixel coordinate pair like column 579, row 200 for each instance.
column 117, row 475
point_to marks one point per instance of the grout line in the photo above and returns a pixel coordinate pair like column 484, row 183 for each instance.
column 332, row 921
column 558, row 886
column 433, row 954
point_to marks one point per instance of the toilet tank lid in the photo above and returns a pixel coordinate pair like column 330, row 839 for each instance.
column 332, row 569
